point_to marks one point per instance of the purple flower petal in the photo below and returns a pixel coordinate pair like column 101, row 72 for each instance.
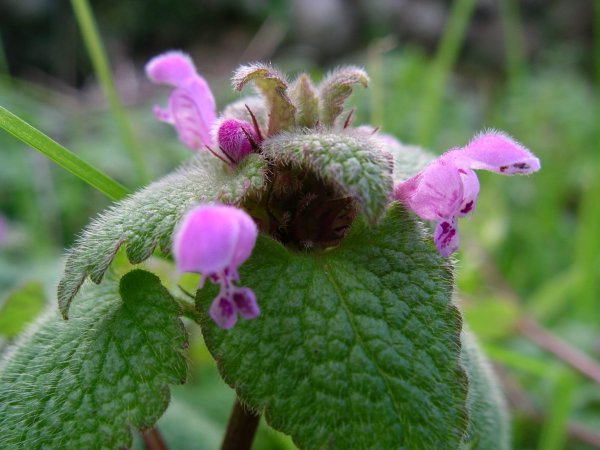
column 212, row 238
column 470, row 184
column 223, row 312
column 232, row 138
column 192, row 116
column 171, row 68
column 435, row 193
column 245, row 301
column 445, row 237
column 448, row 187
column 498, row 153
column 191, row 106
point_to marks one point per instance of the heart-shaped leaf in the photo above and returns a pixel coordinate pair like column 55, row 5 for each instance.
column 355, row 347
column 84, row 383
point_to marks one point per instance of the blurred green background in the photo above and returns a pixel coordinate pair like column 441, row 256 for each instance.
column 528, row 272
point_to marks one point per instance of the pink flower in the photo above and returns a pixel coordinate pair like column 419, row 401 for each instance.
column 191, row 110
column 191, row 107
column 214, row 240
column 448, row 187
column 236, row 139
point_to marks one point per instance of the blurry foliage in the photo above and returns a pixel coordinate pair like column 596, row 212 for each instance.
column 527, row 225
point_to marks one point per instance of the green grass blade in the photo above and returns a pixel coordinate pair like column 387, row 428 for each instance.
column 60, row 155
column 513, row 40
column 97, row 54
column 441, row 67
column 554, row 430
column 587, row 251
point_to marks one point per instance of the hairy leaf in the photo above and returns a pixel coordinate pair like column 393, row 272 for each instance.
column 489, row 427
column 273, row 86
column 304, row 96
column 336, row 88
column 353, row 162
column 355, row 347
column 147, row 218
column 84, row 383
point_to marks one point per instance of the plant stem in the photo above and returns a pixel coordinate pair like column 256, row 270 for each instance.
column 440, row 68
column 60, row 155
column 97, row 54
column 240, row 428
column 559, row 348
column 521, row 402
column 153, row 440
column 529, row 328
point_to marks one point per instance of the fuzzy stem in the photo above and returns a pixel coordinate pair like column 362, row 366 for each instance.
column 153, row 440
column 97, row 54
column 240, row 428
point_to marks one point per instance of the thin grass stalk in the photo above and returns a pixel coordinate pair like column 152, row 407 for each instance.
column 97, row 55
column 587, row 251
column 441, row 66
column 514, row 42
column 60, row 155
column 555, row 428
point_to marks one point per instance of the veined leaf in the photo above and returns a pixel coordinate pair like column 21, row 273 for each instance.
column 352, row 161
column 356, row 347
column 84, row 383
column 304, row 96
column 147, row 218
column 273, row 87
column 336, row 88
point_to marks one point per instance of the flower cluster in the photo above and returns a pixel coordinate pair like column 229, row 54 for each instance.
column 214, row 240
column 448, row 187
column 191, row 110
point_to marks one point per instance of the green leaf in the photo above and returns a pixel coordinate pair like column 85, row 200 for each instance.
column 84, row 383
column 304, row 96
column 273, row 86
column 353, row 162
column 20, row 307
column 489, row 427
column 146, row 219
column 60, row 155
column 336, row 88
column 355, row 347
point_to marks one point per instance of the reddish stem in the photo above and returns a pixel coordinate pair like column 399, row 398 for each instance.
column 240, row 428
column 153, row 440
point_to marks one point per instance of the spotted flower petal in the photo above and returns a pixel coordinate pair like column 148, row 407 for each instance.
column 445, row 237
column 448, row 187
column 435, row 193
column 214, row 240
column 498, row 153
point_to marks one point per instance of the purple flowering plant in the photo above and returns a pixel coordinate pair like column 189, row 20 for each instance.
column 315, row 233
